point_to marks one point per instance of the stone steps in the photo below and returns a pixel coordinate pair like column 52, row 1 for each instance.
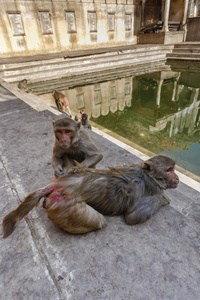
column 43, row 87
column 188, row 51
column 67, row 67
column 54, row 67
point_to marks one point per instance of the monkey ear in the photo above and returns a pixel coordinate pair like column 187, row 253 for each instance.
column 146, row 165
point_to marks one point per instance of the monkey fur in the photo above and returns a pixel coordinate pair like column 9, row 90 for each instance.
column 76, row 202
column 72, row 143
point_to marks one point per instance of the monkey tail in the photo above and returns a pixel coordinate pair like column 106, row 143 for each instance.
column 23, row 209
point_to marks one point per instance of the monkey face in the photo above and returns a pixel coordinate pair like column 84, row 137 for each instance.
column 173, row 179
column 64, row 137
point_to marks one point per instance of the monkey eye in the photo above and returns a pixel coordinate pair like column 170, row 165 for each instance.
column 170, row 169
column 58, row 131
column 68, row 131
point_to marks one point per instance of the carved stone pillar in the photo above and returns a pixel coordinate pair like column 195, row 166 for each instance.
column 185, row 12
column 191, row 9
column 142, row 13
column 184, row 25
column 166, row 16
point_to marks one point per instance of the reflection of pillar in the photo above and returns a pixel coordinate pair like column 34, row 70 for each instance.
column 142, row 13
column 179, row 89
column 159, row 92
column 174, row 91
column 171, row 128
column 166, row 16
column 195, row 94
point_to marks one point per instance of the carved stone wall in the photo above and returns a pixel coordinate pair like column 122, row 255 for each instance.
column 39, row 27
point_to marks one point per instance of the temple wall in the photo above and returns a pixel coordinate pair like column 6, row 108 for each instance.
column 39, row 27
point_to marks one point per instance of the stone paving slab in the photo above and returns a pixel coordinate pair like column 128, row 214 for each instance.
column 158, row 259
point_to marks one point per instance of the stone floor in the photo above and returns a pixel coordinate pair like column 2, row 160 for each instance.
column 158, row 259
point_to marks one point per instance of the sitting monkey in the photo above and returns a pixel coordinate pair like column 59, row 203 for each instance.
column 72, row 143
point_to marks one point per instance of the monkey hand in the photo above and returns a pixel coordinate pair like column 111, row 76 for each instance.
column 76, row 163
column 166, row 199
column 59, row 171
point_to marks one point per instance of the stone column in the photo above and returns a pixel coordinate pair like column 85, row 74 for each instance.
column 185, row 12
column 191, row 9
column 162, row 10
column 197, row 7
column 142, row 13
column 166, row 16
column 184, row 25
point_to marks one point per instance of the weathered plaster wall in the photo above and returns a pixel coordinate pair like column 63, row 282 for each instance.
column 193, row 30
column 38, row 27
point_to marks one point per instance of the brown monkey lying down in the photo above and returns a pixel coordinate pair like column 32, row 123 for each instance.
column 77, row 201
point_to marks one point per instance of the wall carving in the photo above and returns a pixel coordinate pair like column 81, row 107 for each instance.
column 37, row 27
column 128, row 21
column 111, row 22
column 92, row 21
column 16, row 23
column 45, row 20
column 70, row 21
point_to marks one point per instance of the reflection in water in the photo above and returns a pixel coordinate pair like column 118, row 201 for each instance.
column 164, row 117
column 159, row 111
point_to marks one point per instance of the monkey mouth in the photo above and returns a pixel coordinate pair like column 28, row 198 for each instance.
column 65, row 145
column 175, row 184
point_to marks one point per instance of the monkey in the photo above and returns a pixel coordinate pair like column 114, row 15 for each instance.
column 22, row 85
column 61, row 102
column 78, row 116
column 78, row 201
column 72, row 143
column 84, row 121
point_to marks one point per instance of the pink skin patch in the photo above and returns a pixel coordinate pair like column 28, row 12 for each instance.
column 56, row 197
column 64, row 100
column 48, row 190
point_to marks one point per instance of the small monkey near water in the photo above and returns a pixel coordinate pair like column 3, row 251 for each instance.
column 62, row 102
column 72, row 143
column 77, row 201
column 84, row 121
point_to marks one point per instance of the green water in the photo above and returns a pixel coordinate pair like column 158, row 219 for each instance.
column 163, row 117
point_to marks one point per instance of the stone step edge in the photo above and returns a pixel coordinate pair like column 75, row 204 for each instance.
column 73, row 82
column 84, row 70
column 83, row 57
column 46, row 64
column 85, row 65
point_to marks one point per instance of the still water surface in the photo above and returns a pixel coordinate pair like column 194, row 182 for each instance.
column 163, row 115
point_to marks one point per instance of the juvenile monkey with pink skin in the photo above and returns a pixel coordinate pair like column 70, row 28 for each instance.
column 62, row 102
column 77, row 201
